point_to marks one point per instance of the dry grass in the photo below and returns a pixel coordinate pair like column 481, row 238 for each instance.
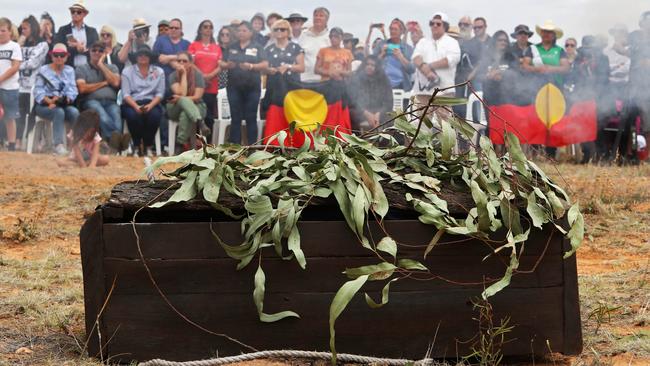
column 41, row 294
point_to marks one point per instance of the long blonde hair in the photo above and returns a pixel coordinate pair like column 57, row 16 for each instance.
column 108, row 29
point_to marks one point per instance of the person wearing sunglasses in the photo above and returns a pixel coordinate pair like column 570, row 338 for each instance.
column 186, row 103
column 138, row 37
column 207, row 54
column 465, row 28
column 55, row 91
column 98, row 83
column 571, row 48
column 77, row 35
column 435, row 61
column 167, row 47
column 224, row 39
column 112, row 47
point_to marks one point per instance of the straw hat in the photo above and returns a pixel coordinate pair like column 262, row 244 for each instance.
column 551, row 27
column 79, row 5
column 140, row 23
column 454, row 31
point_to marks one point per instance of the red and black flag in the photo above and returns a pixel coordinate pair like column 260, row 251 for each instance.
column 309, row 106
column 550, row 121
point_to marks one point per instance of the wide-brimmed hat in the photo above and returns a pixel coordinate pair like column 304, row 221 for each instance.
column 79, row 5
column 454, row 31
column 551, row 27
column 521, row 28
column 140, row 23
column 349, row 37
column 296, row 16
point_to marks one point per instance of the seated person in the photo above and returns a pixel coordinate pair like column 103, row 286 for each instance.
column 55, row 91
column 370, row 94
column 84, row 141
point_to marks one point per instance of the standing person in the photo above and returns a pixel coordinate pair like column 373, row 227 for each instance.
column 143, row 88
column 270, row 20
column 395, row 55
column 84, row 140
column 48, row 29
column 369, row 50
column 640, row 71
column 521, row 35
column 258, row 23
column 224, row 38
column 112, row 47
column 77, row 36
column 98, row 83
column 571, row 49
column 415, row 33
column 370, row 94
column 55, row 91
column 286, row 61
column 244, row 60
column 186, row 103
column 465, row 28
column 138, row 36
column 497, row 69
column 207, row 55
column 312, row 40
column 163, row 28
column 435, row 61
column 296, row 20
column 350, row 43
column 11, row 57
column 168, row 47
column 526, row 89
column 334, row 62
column 34, row 50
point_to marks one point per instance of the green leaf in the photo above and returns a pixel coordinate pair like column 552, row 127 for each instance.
column 411, row 264
column 212, row 186
column 433, row 242
column 259, row 155
column 481, row 200
column 359, row 209
column 388, row 245
column 186, row 192
column 556, row 203
column 447, row 139
column 517, row 155
column 577, row 232
column 384, row 296
column 535, row 211
column 338, row 188
column 258, row 297
column 382, row 267
column 510, row 216
column 340, row 302
column 294, row 245
column 505, row 280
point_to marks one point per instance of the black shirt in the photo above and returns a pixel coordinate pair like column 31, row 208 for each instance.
column 253, row 53
column 277, row 56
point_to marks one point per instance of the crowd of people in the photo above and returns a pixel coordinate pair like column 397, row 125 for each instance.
column 150, row 79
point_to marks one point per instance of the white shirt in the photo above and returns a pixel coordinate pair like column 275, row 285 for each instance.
column 619, row 66
column 311, row 43
column 433, row 50
column 80, row 35
column 9, row 52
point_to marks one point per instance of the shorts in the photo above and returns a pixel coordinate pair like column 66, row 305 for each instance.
column 9, row 101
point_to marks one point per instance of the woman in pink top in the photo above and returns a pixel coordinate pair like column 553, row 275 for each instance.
column 207, row 54
column 84, row 140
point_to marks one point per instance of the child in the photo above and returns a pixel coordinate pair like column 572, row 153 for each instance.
column 84, row 139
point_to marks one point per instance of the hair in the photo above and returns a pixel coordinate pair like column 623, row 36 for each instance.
column 282, row 23
column 88, row 119
column 260, row 17
column 48, row 17
column 402, row 26
column 481, row 19
column 273, row 15
column 572, row 39
column 108, row 29
column 246, row 24
column 176, row 20
column 496, row 35
column 323, row 9
column 35, row 31
column 5, row 22
column 225, row 27
column 198, row 31
column 189, row 55
column 14, row 33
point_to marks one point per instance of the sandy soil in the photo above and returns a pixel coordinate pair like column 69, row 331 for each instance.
column 41, row 300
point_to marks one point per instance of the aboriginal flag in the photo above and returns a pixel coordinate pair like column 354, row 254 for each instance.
column 309, row 105
column 551, row 120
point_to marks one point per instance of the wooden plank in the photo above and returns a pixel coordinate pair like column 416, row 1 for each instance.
column 189, row 240
column 92, row 264
column 218, row 276
column 571, row 311
column 146, row 328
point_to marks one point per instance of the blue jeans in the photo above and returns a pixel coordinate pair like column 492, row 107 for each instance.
column 58, row 116
column 243, row 106
column 110, row 119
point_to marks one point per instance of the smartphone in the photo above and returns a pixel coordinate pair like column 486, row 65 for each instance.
column 393, row 46
column 69, row 37
column 377, row 25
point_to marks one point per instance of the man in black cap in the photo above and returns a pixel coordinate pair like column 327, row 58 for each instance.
column 297, row 21
column 77, row 36
column 521, row 35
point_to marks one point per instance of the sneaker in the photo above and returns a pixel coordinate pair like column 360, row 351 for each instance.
column 115, row 141
column 60, row 150
column 125, row 140
column 149, row 152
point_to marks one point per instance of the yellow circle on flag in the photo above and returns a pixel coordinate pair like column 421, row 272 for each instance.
column 306, row 108
column 550, row 105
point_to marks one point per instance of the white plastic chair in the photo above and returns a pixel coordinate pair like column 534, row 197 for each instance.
column 40, row 125
column 481, row 119
column 398, row 100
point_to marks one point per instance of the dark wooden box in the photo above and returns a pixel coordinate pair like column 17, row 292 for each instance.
column 201, row 281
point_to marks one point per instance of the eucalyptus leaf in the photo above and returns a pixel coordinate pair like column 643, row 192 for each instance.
column 388, row 245
column 384, row 296
column 411, row 264
column 339, row 303
column 258, row 297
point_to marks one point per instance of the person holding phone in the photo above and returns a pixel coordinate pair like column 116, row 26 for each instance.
column 77, row 36
column 395, row 55
column 143, row 88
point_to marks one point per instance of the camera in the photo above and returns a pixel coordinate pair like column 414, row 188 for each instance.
column 141, row 32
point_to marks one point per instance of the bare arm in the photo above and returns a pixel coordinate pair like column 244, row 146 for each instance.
column 87, row 88
column 15, row 66
column 78, row 157
column 94, row 156
column 112, row 78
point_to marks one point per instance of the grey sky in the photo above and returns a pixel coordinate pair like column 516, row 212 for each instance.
column 576, row 17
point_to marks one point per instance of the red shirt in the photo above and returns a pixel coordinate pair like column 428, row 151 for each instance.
column 206, row 59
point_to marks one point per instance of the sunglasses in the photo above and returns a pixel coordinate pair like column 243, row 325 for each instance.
column 77, row 12
column 106, row 35
column 464, row 25
column 59, row 55
column 569, row 45
column 435, row 24
column 281, row 30
column 97, row 50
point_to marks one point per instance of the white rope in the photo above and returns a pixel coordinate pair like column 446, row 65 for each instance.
column 290, row 354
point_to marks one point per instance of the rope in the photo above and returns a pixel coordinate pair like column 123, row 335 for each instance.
column 343, row 357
